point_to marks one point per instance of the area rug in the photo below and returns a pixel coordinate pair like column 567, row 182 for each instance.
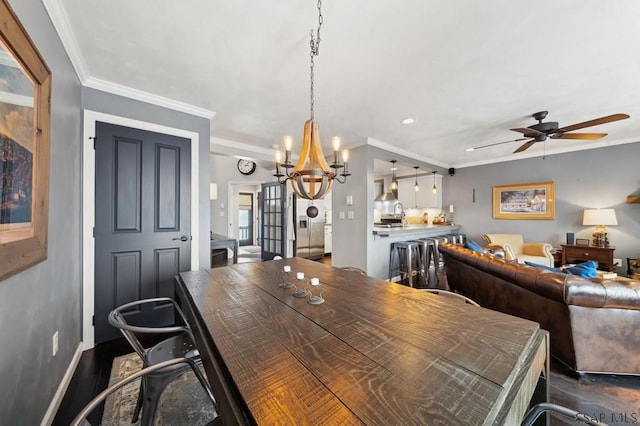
column 250, row 251
column 183, row 401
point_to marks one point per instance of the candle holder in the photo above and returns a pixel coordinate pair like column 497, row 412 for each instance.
column 285, row 281
column 315, row 299
column 300, row 292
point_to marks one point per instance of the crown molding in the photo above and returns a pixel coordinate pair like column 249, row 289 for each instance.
column 60, row 22
column 139, row 95
column 400, row 151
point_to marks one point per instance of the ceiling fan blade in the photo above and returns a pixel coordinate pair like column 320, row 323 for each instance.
column 525, row 146
column 594, row 122
column 497, row 143
column 583, row 136
column 527, row 131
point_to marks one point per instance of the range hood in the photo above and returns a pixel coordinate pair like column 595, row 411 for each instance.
column 387, row 196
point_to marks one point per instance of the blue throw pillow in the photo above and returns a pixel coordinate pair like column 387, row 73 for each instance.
column 584, row 270
column 537, row 265
column 472, row 245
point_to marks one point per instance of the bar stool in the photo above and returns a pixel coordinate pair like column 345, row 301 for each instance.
column 460, row 239
column 404, row 258
column 427, row 255
column 438, row 261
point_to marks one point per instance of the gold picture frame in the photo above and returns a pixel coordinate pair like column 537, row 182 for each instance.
column 524, row 201
column 25, row 131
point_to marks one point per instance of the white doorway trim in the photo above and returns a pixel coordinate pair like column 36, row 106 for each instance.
column 233, row 188
column 88, row 205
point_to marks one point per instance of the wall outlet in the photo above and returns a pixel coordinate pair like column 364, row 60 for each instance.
column 617, row 262
column 54, row 344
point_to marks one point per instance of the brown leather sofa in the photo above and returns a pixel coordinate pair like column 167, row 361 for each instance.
column 594, row 324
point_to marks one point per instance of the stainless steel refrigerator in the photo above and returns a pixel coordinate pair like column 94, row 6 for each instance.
column 310, row 231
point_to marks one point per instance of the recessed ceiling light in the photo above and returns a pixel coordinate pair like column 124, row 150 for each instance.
column 470, row 149
column 408, row 120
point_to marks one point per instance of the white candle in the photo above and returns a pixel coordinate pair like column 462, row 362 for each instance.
column 300, row 275
column 450, row 208
column 315, row 281
column 287, row 268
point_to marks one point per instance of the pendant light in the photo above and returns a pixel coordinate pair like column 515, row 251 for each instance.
column 434, row 189
column 312, row 176
column 416, row 187
column 394, row 181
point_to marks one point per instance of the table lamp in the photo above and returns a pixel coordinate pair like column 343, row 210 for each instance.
column 600, row 218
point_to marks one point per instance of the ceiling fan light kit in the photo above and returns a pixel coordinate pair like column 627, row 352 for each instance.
column 550, row 129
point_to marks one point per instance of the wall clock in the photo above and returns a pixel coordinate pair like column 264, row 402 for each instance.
column 246, row 167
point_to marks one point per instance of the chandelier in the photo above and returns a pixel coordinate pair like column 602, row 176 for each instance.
column 312, row 176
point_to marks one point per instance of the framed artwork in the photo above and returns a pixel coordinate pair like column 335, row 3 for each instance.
column 582, row 241
column 25, row 115
column 524, row 201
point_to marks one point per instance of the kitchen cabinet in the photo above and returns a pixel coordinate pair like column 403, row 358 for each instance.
column 423, row 198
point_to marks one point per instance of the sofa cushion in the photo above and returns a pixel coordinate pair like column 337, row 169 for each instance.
column 472, row 245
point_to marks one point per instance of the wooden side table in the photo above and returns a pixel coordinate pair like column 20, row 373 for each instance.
column 602, row 255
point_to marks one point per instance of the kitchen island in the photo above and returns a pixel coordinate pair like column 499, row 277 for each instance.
column 378, row 253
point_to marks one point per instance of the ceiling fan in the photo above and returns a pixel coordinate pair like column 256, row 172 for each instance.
column 541, row 131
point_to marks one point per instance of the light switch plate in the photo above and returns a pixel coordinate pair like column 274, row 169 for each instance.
column 349, row 200
column 350, row 215
column 341, row 215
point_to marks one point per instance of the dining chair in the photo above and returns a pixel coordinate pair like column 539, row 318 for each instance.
column 535, row 412
column 159, row 368
column 451, row 294
column 180, row 344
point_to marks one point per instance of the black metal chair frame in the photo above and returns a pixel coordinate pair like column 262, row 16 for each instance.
column 180, row 345
column 81, row 418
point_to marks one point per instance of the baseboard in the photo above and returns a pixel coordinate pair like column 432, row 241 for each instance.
column 47, row 420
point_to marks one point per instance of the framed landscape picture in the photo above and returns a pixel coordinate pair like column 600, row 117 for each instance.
column 524, row 201
column 25, row 89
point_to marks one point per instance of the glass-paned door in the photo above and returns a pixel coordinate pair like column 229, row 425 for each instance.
column 273, row 220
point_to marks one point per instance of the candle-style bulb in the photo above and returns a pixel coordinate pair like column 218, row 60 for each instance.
column 278, row 157
column 345, row 155
column 336, row 143
column 288, row 143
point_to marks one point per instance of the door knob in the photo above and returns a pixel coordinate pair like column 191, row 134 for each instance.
column 182, row 238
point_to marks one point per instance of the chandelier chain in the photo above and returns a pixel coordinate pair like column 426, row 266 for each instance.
column 315, row 49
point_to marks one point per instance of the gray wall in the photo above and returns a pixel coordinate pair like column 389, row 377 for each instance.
column 46, row 297
column 597, row 178
column 224, row 170
column 108, row 103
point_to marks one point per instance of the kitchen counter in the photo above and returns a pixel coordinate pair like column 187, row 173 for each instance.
column 410, row 229
column 378, row 249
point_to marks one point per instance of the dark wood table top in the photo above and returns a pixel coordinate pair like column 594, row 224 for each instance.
column 374, row 353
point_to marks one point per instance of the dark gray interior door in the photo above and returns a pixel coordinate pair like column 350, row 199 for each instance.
column 143, row 229
column 274, row 223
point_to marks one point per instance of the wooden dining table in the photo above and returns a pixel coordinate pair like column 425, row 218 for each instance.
column 374, row 352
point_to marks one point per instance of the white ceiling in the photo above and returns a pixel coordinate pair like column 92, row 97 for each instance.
column 467, row 71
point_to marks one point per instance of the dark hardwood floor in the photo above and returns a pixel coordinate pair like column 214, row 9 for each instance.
column 612, row 399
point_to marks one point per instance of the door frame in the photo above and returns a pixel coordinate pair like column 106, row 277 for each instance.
column 88, row 205
column 232, row 204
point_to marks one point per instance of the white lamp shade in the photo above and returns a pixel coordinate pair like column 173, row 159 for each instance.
column 599, row 217
column 213, row 191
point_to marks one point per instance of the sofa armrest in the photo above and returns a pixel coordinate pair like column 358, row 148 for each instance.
column 537, row 249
